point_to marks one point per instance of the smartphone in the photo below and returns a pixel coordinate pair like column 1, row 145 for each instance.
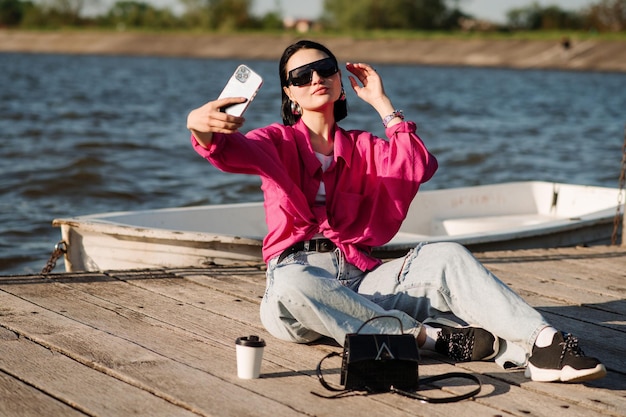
column 243, row 83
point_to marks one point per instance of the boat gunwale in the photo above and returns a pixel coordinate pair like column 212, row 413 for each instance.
column 99, row 223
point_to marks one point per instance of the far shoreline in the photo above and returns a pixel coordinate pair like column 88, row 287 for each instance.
column 586, row 55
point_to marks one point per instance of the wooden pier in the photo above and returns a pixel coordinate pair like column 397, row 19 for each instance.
column 162, row 343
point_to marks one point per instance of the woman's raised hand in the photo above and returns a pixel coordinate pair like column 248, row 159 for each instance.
column 366, row 82
column 368, row 86
column 209, row 119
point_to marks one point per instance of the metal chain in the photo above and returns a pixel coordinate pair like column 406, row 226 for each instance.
column 617, row 221
column 59, row 250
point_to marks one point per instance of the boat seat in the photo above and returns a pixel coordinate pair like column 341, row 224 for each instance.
column 482, row 224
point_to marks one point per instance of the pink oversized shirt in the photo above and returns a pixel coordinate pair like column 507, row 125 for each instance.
column 369, row 185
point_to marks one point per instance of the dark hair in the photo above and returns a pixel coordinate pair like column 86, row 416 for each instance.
column 289, row 119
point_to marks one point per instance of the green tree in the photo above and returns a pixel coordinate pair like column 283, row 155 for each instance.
column 271, row 21
column 387, row 14
column 54, row 13
column 68, row 11
column 230, row 14
column 536, row 17
column 137, row 14
column 195, row 14
column 12, row 12
column 219, row 14
column 607, row 16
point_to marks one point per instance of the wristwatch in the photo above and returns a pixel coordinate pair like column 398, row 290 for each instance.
column 396, row 113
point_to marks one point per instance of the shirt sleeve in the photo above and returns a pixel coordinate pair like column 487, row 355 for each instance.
column 382, row 180
column 253, row 153
column 408, row 155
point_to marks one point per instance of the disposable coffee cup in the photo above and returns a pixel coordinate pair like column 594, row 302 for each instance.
column 249, row 356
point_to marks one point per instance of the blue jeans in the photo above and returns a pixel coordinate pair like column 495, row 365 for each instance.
column 312, row 294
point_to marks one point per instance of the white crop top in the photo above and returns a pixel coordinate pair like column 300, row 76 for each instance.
column 325, row 160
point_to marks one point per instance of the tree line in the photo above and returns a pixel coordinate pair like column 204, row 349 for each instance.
column 338, row 15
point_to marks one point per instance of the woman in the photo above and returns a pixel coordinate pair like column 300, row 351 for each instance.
column 331, row 195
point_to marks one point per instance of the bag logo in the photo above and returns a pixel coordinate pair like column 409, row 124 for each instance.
column 384, row 353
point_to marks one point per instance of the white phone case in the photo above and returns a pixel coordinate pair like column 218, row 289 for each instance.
column 243, row 83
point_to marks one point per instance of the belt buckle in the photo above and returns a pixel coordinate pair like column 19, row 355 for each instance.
column 323, row 246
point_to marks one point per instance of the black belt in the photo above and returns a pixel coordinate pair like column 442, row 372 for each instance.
column 315, row 245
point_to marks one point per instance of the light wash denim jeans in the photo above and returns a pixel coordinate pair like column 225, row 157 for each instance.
column 311, row 294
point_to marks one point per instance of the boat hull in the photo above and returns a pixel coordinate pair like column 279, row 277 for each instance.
column 493, row 217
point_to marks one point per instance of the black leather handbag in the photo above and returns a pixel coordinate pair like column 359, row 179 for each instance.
column 378, row 363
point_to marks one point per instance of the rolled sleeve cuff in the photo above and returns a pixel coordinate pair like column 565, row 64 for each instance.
column 215, row 143
column 402, row 127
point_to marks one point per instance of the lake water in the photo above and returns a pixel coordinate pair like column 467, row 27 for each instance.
column 88, row 134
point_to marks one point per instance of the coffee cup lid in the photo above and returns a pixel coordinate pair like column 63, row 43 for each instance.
column 251, row 341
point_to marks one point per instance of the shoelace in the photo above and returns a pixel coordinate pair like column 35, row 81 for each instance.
column 460, row 347
column 570, row 344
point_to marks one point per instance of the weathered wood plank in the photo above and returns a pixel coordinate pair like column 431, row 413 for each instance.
column 577, row 268
column 18, row 399
column 162, row 288
column 78, row 386
column 288, row 351
column 169, row 336
column 191, row 388
column 218, row 356
column 605, row 397
column 299, row 393
column 529, row 283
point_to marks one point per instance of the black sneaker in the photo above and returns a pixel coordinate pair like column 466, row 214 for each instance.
column 563, row 361
column 465, row 344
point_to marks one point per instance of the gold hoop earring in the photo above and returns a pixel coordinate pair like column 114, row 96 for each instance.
column 296, row 110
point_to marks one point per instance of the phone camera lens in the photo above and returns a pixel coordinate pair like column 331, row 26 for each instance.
column 243, row 74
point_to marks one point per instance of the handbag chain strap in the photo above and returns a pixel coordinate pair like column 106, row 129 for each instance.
column 342, row 391
column 436, row 378
column 411, row 394
column 325, row 384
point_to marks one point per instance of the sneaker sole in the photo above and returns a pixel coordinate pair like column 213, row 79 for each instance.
column 450, row 323
column 567, row 374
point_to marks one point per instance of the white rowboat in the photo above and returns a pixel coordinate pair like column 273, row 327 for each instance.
column 514, row 215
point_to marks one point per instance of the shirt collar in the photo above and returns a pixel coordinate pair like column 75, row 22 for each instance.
column 343, row 145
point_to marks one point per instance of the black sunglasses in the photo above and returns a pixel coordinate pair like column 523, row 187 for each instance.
column 304, row 75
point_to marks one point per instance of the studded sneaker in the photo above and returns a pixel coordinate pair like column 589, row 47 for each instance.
column 564, row 361
column 465, row 344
